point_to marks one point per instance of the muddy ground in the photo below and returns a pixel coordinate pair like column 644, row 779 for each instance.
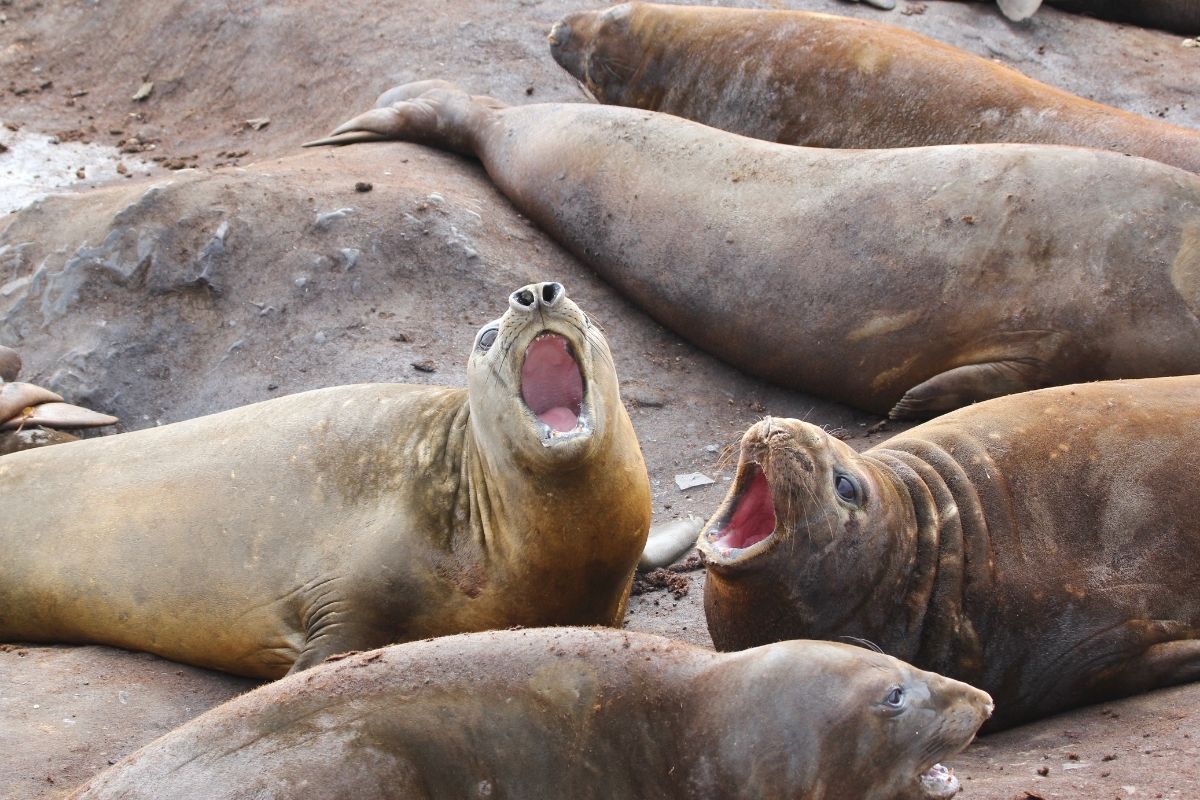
column 217, row 265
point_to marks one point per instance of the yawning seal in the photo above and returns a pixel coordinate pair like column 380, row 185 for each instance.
column 1044, row 547
column 268, row 537
column 557, row 713
column 813, row 79
column 983, row 269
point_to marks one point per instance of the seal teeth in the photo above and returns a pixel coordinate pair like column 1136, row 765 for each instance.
column 752, row 518
column 551, row 383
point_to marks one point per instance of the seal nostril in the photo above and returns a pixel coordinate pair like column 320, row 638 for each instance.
column 551, row 292
column 525, row 298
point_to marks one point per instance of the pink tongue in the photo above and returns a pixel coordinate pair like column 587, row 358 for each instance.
column 551, row 384
column 754, row 518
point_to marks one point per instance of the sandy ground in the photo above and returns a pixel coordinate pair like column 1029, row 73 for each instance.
column 239, row 269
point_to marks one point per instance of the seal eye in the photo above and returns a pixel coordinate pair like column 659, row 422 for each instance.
column 845, row 488
column 895, row 697
column 487, row 338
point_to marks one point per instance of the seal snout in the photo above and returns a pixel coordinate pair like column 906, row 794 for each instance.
column 560, row 34
column 536, row 296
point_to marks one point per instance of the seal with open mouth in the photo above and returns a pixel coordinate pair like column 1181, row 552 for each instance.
column 572, row 713
column 1040, row 546
column 983, row 270
column 269, row 537
column 814, row 79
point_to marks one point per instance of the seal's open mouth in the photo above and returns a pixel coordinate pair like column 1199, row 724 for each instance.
column 752, row 517
column 551, row 383
column 939, row 783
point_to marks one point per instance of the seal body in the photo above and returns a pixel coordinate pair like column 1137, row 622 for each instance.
column 908, row 281
column 570, row 713
column 268, row 537
column 826, row 81
column 1038, row 546
column 1180, row 16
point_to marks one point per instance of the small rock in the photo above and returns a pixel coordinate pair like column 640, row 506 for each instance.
column 142, row 93
column 1191, row 42
column 363, row 186
column 258, row 123
column 320, row 338
column 690, row 480
column 424, row 366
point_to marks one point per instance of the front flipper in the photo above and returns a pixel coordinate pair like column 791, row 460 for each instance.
column 972, row 383
column 435, row 113
column 1160, row 665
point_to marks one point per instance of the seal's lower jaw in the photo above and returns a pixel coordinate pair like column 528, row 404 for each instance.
column 748, row 527
column 552, row 388
column 938, row 783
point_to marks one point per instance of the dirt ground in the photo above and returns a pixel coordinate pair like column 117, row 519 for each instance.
column 229, row 267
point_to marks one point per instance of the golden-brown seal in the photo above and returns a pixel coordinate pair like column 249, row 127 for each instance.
column 813, row 79
column 908, row 281
column 268, row 537
column 1044, row 547
column 571, row 713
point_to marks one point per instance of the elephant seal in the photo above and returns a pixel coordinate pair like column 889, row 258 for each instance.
column 1038, row 546
column 30, row 415
column 826, row 81
column 983, row 269
column 576, row 713
column 266, row 538
column 1179, row 16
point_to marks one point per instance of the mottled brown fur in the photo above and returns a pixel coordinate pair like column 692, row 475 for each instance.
column 1043, row 546
column 268, row 537
column 908, row 281
column 557, row 713
column 823, row 81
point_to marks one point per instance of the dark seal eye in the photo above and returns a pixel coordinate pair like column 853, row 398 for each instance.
column 845, row 488
column 895, row 697
column 487, row 338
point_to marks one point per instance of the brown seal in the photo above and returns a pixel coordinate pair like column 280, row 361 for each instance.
column 571, row 713
column 30, row 414
column 1180, row 16
column 910, row 280
column 1044, row 547
column 269, row 537
column 827, row 81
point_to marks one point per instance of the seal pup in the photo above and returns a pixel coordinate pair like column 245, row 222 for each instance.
column 1038, row 546
column 984, row 269
column 1178, row 16
column 266, row 538
column 826, row 81
column 576, row 713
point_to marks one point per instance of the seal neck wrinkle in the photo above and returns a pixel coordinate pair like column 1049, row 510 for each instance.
column 950, row 578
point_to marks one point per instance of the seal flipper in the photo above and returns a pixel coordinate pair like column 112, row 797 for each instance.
column 434, row 113
column 972, row 383
column 1019, row 10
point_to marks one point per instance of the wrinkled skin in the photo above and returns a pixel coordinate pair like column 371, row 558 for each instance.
column 1180, row 16
column 1043, row 547
column 560, row 713
column 905, row 281
column 823, row 81
column 266, row 538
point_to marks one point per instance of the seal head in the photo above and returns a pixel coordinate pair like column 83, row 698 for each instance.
column 806, row 513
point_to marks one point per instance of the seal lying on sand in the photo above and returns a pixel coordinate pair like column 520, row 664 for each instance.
column 828, row 81
column 982, row 269
column 1180, row 16
column 269, row 537
column 561, row 713
column 1039, row 546
column 30, row 416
